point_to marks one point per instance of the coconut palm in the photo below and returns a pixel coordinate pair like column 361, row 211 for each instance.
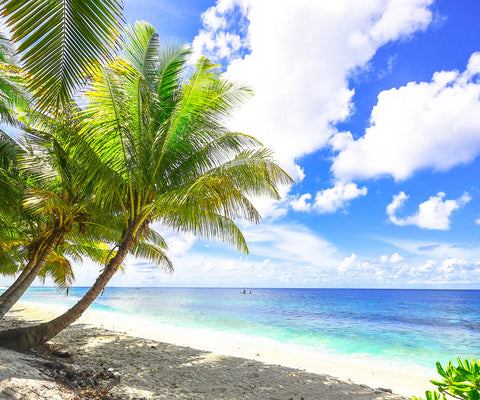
column 156, row 139
column 58, row 266
column 56, row 201
column 60, row 41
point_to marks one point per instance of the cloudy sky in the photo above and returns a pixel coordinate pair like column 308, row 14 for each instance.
column 374, row 108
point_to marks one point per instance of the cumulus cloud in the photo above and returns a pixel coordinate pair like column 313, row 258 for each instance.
column 432, row 124
column 303, row 259
column 432, row 214
column 280, row 255
column 394, row 258
column 224, row 31
column 347, row 262
column 328, row 200
column 301, row 203
column 289, row 55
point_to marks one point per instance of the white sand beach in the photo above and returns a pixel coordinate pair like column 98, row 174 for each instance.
column 162, row 362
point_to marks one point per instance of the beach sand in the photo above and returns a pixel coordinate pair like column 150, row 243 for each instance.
column 158, row 369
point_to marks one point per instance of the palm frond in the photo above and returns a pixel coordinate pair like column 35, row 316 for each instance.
column 59, row 269
column 153, row 254
column 60, row 40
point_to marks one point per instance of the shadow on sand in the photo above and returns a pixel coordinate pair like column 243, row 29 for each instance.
column 153, row 370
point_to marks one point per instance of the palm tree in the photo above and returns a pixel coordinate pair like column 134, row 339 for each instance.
column 60, row 41
column 156, row 141
column 57, row 202
column 28, row 239
column 59, row 268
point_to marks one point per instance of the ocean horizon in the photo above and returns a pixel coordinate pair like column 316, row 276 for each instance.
column 404, row 327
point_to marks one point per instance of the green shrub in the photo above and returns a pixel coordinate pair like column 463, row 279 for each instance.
column 460, row 382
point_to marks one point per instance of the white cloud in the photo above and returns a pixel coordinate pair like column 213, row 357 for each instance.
column 179, row 244
column 477, row 221
column 303, row 259
column 221, row 36
column 298, row 74
column 396, row 258
column 432, row 214
column 432, row 124
column 292, row 242
column 330, row 200
column 347, row 262
column 280, row 255
column 301, row 203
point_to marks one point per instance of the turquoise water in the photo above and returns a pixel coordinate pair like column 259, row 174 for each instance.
column 421, row 326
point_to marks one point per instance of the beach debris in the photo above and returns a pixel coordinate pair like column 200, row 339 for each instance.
column 85, row 381
column 54, row 350
column 385, row 390
column 61, row 354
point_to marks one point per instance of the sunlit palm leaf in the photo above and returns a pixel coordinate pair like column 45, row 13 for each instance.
column 60, row 40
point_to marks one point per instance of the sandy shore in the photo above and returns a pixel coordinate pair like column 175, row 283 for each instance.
column 162, row 362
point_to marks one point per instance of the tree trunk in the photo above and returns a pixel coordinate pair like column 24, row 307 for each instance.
column 31, row 263
column 24, row 338
column 29, row 277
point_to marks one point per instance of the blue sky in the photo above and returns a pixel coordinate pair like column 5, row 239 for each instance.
column 373, row 107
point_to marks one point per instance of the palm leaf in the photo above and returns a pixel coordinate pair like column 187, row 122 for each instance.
column 60, row 40
column 153, row 254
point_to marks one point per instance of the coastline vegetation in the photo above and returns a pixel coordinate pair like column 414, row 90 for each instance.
column 144, row 143
column 458, row 382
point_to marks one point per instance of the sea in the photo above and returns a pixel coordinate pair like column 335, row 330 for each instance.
column 420, row 326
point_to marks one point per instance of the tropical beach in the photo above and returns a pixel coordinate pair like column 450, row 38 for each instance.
column 174, row 363
column 227, row 199
column 267, row 327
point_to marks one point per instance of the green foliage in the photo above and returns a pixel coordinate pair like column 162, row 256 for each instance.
column 148, row 143
column 460, row 382
column 13, row 93
column 156, row 144
column 60, row 40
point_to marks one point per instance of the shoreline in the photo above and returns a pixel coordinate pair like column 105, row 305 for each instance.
column 365, row 371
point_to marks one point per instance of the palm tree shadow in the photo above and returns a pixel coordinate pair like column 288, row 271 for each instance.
column 150, row 369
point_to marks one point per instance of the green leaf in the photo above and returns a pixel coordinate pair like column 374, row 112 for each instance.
column 60, row 41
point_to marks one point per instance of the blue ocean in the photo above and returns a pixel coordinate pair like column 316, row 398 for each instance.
column 421, row 326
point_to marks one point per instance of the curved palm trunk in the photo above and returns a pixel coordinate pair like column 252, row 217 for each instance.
column 30, row 276
column 24, row 338
column 25, row 272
